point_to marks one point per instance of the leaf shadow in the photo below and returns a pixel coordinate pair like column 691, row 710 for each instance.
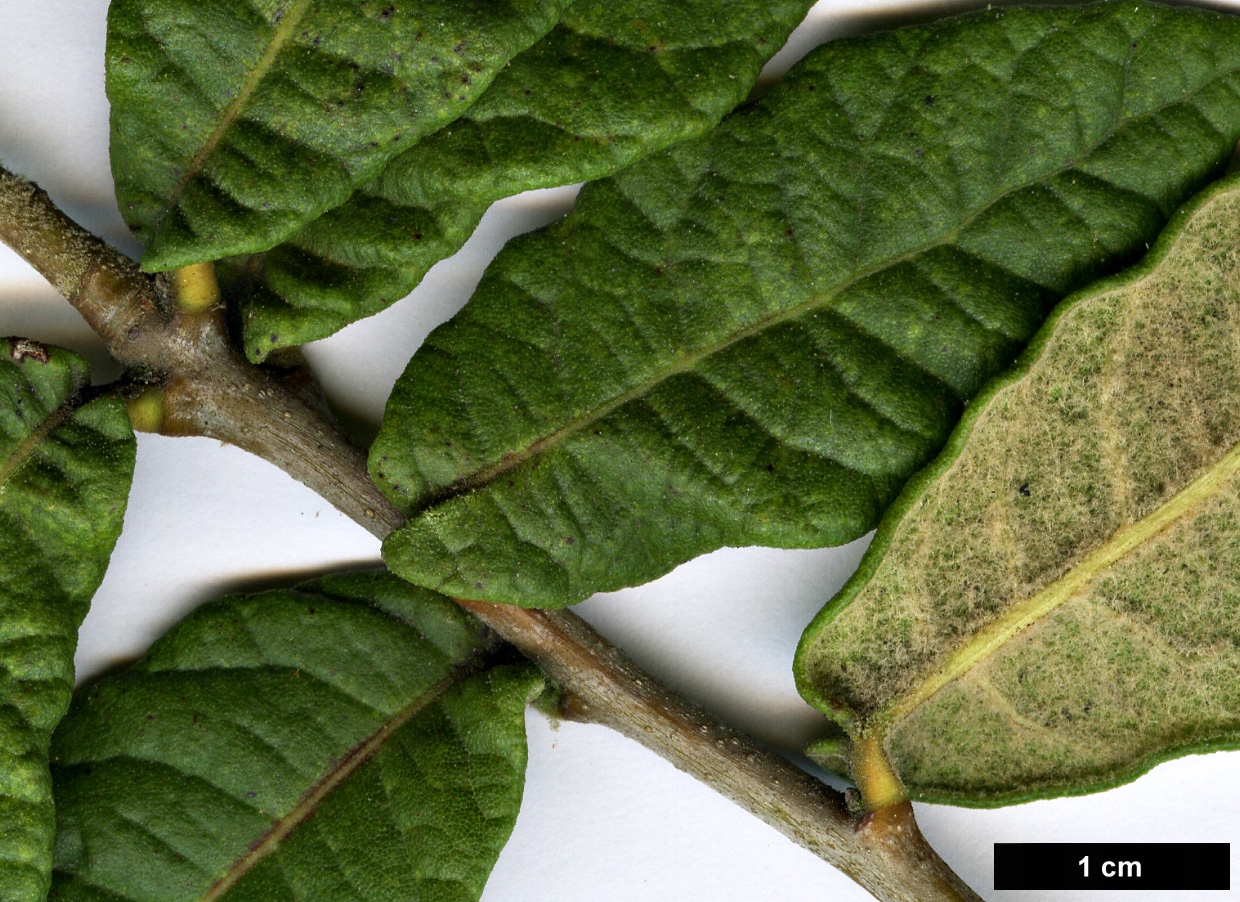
column 245, row 585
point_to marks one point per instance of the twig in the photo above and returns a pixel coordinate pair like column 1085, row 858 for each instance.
column 208, row 389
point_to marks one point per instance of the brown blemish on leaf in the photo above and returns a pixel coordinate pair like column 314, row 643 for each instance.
column 22, row 349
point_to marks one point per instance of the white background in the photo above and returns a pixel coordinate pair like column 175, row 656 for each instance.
column 603, row 818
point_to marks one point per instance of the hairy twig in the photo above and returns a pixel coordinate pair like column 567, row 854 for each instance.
column 208, row 389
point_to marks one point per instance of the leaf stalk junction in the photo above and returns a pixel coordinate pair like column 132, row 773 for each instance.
column 177, row 340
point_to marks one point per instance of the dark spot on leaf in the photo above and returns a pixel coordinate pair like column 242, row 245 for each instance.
column 387, row 12
column 21, row 349
column 569, row 540
column 1024, row 490
column 929, row 100
column 770, row 468
column 460, row 47
column 477, row 585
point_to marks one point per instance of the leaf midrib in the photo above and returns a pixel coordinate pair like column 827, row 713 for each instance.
column 513, row 459
column 1066, row 587
column 352, row 761
column 283, row 32
column 27, row 447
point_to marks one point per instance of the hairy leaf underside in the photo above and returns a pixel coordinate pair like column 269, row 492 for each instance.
column 66, row 461
column 756, row 337
column 352, row 739
column 614, row 81
column 236, row 122
column 1054, row 605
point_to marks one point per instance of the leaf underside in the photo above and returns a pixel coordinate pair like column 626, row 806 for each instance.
column 1054, row 605
column 281, row 108
column 66, row 462
column 756, row 337
column 611, row 83
column 346, row 740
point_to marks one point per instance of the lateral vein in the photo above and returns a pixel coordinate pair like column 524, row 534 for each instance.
column 27, row 446
column 354, row 760
column 1069, row 585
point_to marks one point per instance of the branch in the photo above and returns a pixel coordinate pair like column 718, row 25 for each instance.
column 208, row 389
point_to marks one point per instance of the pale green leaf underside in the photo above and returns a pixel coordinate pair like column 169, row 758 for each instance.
column 66, row 461
column 1054, row 605
column 613, row 82
column 756, row 337
column 236, row 122
column 347, row 740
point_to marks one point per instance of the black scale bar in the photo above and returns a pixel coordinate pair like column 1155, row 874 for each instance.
column 1113, row 866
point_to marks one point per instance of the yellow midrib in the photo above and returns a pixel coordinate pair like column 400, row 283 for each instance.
column 1050, row 597
column 282, row 34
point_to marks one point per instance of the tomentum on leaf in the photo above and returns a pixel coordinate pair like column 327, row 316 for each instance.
column 1054, row 605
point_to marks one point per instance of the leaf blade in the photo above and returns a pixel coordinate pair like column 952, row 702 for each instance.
column 553, row 116
column 1092, row 640
column 282, row 108
column 775, row 369
column 65, row 464
column 351, row 737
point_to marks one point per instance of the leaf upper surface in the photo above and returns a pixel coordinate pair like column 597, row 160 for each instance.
column 612, row 82
column 235, row 122
column 756, row 337
column 1053, row 606
column 346, row 740
column 66, row 461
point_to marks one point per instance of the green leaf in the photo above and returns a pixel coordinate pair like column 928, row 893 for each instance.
column 66, row 461
column 351, row 739
column 236, row 122
column 1054, row 605
column 613, row 82
column 756, row 337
